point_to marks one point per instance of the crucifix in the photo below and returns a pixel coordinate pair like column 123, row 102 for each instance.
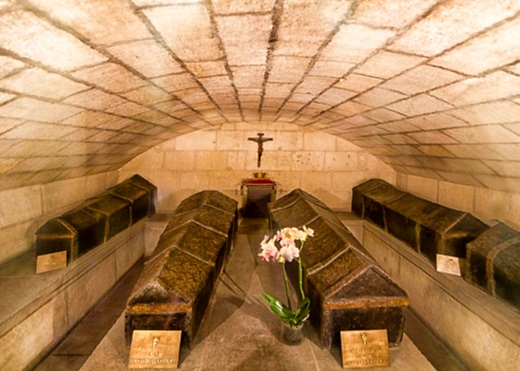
column 260, row 140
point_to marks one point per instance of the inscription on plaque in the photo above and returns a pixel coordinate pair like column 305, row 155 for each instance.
column 155, row 349
column 449, row 264
column 365, row 348
column 51, row 262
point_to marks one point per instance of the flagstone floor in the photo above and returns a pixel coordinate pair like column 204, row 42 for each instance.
column 238, row 332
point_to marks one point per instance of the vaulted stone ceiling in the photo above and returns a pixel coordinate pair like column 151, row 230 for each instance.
column 431, row 87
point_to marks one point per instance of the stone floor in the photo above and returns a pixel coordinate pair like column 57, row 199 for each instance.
column 238, row 333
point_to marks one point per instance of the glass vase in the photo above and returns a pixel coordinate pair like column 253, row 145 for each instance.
column 293, row 335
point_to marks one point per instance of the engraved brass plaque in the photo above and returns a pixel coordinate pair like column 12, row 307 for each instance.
column 155, row 349
column 449, row 264
column 51, row 262
column 365, row 348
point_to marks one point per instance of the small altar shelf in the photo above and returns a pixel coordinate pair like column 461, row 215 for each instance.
column 347, row 288
column 177, row 281
column 259, row 192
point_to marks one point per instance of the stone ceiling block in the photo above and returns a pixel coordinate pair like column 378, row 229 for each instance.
column 111, row 77
column 436, row 121
column 243, row 6
column 358, row 83
column 330, row 68
column 89, row 18
column 390, row 13
column 173, row 83
column 483, row 134
column 95, row 99
column 248, row 76
column 287, row 69
column 432, row 137
column 36, row 130
column 31, row 37
column 379, row 97
column 305, row 27
column 187, row 31
column 8, row 65
column 147, row 57
column 489, row 113
column 314, row 84
column 484, row 52
column 387, row 64
column 419, row 104
column 148, row 95
column 345, row 48
column 383, row 115
column 127, row 109
column 206, row 69
column 5, row 97
column 453, row 22
column 335, row 96
column 496, row 85
column 33, row 109
column 420, row 79
column 250, row 30
column 35, row 81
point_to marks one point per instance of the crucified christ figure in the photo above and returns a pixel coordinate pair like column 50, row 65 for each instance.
column 260, row 140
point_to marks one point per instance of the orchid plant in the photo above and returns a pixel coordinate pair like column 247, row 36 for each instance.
column 286, row 246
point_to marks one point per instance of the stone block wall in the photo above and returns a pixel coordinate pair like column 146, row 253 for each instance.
column 322, row 164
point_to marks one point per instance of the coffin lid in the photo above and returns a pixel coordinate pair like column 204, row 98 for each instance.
column 208, row 197
column 194, row 239
column 353, row 276
column 56, row 227
column 293, row 196
column 206, row 215
column 171, row 277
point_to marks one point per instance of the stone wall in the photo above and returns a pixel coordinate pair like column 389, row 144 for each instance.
column 23, row 210
column 321, row 164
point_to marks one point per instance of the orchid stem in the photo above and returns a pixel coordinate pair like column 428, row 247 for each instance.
column 300, row 273
column 286, row 287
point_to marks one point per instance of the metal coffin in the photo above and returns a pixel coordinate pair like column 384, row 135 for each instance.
column 353, row 293
column 172, row 293
column 348, row 290
column 90, row 227
column 175, row 287
column 116, row 211
column 55, row 236
column 493, row 263
column 370, row 197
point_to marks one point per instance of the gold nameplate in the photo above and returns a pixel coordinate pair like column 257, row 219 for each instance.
column 449, row 264
column 51, row 262
column 365, row 348
column 155, row 349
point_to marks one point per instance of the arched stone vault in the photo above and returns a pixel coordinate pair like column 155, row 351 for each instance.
column 430, row 87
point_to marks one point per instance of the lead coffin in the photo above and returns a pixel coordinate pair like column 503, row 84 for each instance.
column 348, row 290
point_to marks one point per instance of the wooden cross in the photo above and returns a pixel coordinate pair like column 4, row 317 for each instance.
column 260, row 140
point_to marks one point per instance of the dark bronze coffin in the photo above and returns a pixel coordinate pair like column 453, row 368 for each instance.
column 172, row 293
column 493, row 263
column 369, row 198
column 431, row 228
column 353, row 293
column 55, row 236
column 138, row 181
column 76, row 232
column 138, row 197
column 348, row 290
column 116, row 211
column 98, row 219
column 209, row 197
column 174, row 289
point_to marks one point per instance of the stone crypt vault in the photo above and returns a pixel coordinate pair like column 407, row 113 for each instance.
column 422, row 93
